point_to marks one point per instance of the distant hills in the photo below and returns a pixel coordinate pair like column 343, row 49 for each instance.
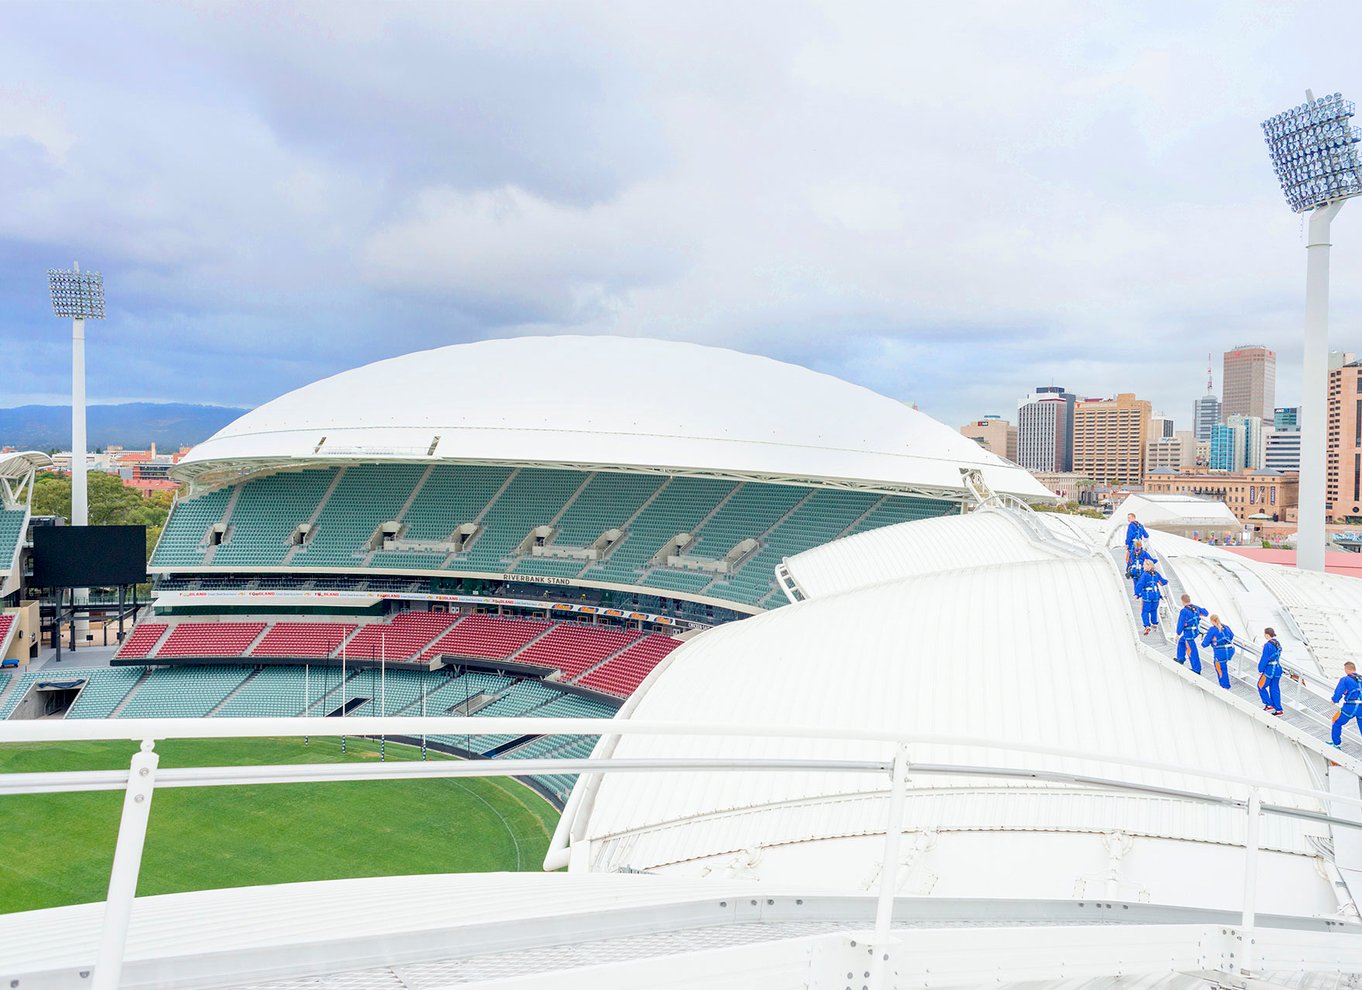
column 135, row 425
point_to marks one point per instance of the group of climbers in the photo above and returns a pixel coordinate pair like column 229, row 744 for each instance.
column 1141, row 567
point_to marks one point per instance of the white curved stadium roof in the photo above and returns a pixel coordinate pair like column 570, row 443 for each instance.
column 1035, row 648
column 609, row 402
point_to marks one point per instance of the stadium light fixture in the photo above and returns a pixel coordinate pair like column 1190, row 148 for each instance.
column 1314, row 151
column 80, row 296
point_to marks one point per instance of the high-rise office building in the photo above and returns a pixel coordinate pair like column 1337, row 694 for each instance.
column 1045, row 430
column 1110, row 437
column 1237, row 444
column 1283, row 450
column 1160, row 427
column 1343, row 462
column 1249, row 386
column 1170, row 453
column 993, row 433
column 1205, row 414
column 1286, row 418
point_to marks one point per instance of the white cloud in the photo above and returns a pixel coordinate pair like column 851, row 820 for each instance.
column 952, row 203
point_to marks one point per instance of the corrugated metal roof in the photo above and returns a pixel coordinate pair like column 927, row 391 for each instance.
column 911, row 549
column 1304, row 607
column 1038, row 651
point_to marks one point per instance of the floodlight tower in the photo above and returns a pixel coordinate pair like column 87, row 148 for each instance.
column 79, row 295
column 1315, row 155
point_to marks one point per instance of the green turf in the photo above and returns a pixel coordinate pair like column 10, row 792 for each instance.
column 56, row 849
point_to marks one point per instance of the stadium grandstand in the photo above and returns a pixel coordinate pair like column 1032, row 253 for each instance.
column 17, row 471
column 509, row 527
column 865, row 719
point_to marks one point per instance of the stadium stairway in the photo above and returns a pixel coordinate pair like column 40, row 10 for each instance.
column 117, row 709
column 234, row 692
column 1308, row 711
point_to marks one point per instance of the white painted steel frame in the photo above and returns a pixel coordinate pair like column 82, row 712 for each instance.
column 1310, row 541
column 141, row 779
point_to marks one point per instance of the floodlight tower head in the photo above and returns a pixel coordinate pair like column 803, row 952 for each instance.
column 1314, row 151
column 76, row 294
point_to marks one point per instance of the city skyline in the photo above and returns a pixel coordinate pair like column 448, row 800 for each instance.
column 1266, row 396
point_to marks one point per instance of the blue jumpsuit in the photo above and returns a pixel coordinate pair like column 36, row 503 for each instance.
column 1220, row 640
column 1349, row 692
column 1147, row 585
column 1135, row 565
column 1135, row 531
column 1189, row 624
column 1270, row 675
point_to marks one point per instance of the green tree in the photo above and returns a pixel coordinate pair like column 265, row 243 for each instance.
column 1070, row 509
column 111, row 503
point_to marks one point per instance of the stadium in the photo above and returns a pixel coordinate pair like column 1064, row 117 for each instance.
column 822, row 700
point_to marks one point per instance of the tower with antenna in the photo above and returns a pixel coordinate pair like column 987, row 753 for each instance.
column 1206, row 410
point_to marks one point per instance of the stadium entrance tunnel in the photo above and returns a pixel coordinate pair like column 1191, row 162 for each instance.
column 48, row 699
column 349, row 706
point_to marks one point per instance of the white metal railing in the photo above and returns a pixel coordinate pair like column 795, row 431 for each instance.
column 143, row 777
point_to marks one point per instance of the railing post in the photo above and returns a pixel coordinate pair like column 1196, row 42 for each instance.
column 127, row 863
column 1250, row 879
column 889, row 868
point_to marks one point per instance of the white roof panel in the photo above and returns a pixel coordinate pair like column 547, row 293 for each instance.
column 1037, row 652
column 608, row 401
column 913, row 549
column 1176, row 510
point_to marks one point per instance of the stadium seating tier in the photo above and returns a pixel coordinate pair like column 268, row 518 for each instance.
column 346, row 505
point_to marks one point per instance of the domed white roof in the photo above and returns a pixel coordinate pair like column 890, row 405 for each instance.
column 609, row 402
column 1035, row 648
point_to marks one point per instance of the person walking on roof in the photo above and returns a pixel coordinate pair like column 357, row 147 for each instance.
column 1134, row 530
column 1270, row 673
column 1147, row 587
column 1136, row 555
column 1189, row 624
column 1348, row 697
column 1220, row 638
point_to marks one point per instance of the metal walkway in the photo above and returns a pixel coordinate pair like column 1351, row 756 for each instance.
column 1305, row 699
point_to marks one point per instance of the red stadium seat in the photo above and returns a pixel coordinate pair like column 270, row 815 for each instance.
column 303, row 639
column 574, row 649
column 488, row 636
column 210, row 639
column 401, row 639
column 623, row 674
column 142, row 640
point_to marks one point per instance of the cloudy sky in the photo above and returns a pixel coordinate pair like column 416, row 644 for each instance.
column 949, row 203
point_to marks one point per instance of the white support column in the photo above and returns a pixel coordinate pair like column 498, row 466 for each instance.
column 893, row 834
column 80, row 505
column 1310, row 541
column 80, row 495
column 889, row 868
column 1249, row 919
column 127, row 863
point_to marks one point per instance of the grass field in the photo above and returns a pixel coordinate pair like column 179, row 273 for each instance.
column 56, row 849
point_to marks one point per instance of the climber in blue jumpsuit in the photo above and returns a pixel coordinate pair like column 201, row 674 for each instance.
column 1147, row 586
column 1136, row 555
column 1134, row 530
column 1189, row 624
column 1348, row 696
column 1270, row 673
column 1220, row 638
